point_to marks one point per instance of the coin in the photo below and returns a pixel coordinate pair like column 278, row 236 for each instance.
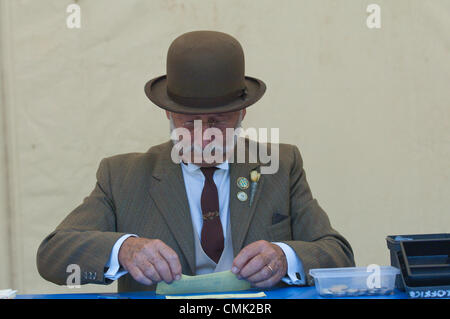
column 352, row 292
column 338, row 288
column 326, row 293
column 373, row 291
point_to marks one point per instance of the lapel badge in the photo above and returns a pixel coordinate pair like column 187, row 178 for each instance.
column 242, row 196
column 242, row 183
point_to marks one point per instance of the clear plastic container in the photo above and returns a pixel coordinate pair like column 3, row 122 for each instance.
column 355, row 281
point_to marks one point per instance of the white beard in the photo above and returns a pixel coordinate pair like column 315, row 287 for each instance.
column 218, row 148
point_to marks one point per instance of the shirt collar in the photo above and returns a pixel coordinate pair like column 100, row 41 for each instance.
column 191, row 168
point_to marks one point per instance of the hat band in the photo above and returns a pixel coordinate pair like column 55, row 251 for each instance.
column 208, row 101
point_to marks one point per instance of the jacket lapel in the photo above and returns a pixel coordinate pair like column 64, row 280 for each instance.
column 168, row 191
column 241, row 213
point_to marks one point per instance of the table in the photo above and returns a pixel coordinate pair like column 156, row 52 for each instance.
column 277, row 293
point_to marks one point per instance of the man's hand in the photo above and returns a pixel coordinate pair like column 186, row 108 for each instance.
column 149, row 261
column 261, row 263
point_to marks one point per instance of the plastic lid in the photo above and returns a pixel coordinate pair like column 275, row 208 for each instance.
column 351, row 271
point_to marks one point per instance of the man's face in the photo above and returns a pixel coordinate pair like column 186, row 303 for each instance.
column 220, row 121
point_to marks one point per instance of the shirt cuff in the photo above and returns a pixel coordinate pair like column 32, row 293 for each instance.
column 295, row 273
column 114, row 271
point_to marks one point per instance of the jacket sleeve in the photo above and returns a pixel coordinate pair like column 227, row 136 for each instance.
column 315, row 242
column 84, row 239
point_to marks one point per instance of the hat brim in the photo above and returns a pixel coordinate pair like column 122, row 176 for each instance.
column 156, row 91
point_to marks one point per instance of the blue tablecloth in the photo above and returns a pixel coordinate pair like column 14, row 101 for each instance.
column 277, row 293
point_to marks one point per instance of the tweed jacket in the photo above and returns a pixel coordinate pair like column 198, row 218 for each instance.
column 144, row 194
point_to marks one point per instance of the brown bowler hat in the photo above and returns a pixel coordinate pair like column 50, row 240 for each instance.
column 205, row 74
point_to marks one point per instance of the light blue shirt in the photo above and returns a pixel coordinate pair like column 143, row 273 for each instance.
column 194, row 181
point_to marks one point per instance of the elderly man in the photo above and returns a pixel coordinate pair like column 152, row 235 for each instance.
column 153, row 216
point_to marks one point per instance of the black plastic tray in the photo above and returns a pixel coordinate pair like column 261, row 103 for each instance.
column 424, row 263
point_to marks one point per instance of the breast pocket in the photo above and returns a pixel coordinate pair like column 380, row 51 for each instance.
column 281, row 229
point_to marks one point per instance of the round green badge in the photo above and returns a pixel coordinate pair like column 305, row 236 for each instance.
column 243, row 183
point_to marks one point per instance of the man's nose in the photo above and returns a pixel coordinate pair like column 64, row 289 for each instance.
column 205, row 138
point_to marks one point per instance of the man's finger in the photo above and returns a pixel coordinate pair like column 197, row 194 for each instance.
column 253, row 266
column 150, row 272
column 162, row 267
column 262, row 274
column 172, row 260
column 267, row 283
column 137, row 274
column 244, row 256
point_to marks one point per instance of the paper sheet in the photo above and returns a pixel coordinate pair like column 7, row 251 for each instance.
column 8, row 294
column 220, row 296
column 214, row 282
